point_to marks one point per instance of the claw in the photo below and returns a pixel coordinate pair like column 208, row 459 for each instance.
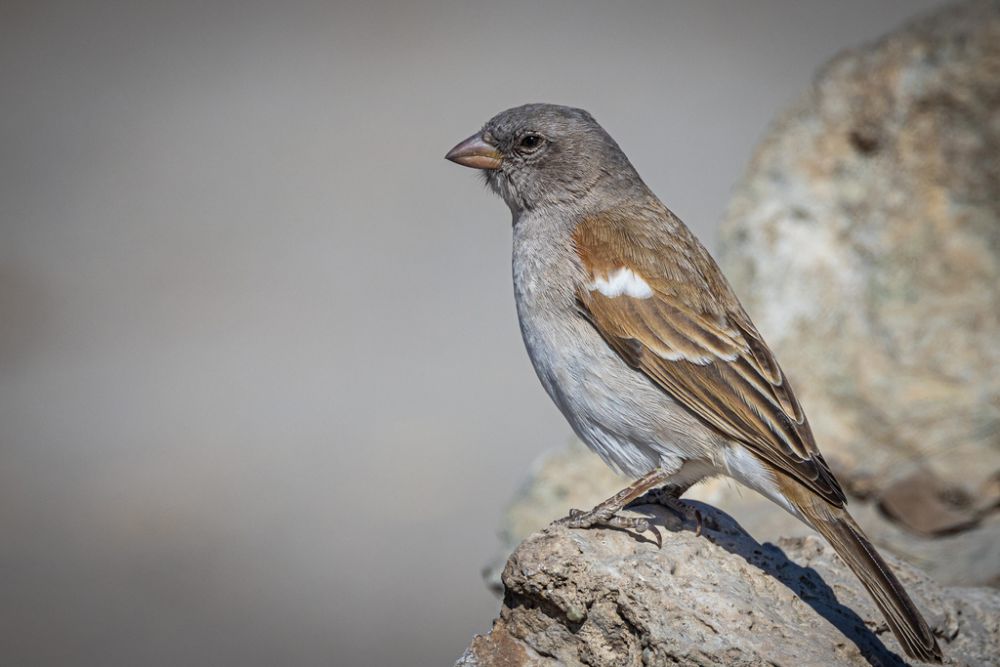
column 636, row 524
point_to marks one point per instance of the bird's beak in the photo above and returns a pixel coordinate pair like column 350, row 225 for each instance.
column 475, row 152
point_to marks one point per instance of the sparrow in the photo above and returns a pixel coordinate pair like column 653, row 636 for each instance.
column 641, row 343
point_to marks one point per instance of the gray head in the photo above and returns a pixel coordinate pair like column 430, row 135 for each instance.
column 546, row 155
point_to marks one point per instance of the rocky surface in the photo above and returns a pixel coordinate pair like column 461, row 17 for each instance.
column 607, row 597
column 864, row 241
column 572, row 476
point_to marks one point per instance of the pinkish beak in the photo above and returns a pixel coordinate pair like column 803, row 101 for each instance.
column 475, row 152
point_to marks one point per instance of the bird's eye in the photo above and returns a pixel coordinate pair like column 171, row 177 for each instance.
column 530, row 142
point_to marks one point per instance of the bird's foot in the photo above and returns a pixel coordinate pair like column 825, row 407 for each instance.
column 600, row 516
column 669, row 497
column 608, row 512
column 610, row 517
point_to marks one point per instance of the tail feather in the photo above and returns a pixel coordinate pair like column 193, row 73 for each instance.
column 851, row 544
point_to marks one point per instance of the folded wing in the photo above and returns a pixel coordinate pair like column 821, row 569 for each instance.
column 674, row 317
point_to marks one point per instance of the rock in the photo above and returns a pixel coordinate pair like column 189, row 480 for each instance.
column 607, row 597
column 575, row 477
column 925, row 505
column 559, row 479
column 864, row 241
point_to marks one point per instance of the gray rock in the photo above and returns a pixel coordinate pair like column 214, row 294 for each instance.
column 865, row 242
column 559, row 479
column 575, row 477
column 606, row 597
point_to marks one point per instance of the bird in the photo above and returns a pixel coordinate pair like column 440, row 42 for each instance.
column 642, row 344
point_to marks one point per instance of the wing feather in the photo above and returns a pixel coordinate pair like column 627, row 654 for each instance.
column 694, row 340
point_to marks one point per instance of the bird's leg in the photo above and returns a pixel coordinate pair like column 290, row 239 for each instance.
column 669, row 496
column 607, row 513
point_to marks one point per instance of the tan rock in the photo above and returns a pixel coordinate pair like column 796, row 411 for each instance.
column 865, row 243
column 575, row 477
column 605, row 597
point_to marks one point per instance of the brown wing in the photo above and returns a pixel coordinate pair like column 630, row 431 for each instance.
column 675, row 318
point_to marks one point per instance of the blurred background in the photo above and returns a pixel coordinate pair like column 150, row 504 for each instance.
column 262, row 391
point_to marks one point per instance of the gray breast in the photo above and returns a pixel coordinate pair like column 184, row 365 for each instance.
column 613, row 408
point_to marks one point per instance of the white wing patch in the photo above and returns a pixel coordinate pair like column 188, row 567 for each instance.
column 622, row 281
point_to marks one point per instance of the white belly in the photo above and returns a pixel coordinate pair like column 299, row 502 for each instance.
column 617, row 411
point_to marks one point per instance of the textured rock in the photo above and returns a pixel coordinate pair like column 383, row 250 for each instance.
column 606, row 597
column 562, row 478
column 865, row 243
column 574, row 477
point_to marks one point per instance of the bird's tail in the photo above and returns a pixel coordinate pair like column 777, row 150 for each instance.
column 854, row 548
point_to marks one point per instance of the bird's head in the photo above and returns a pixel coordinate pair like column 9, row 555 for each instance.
column 544, row 155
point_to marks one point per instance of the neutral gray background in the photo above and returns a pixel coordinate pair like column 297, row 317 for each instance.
column 262, row 392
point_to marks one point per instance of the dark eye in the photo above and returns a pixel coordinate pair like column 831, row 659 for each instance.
column 530, row 142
